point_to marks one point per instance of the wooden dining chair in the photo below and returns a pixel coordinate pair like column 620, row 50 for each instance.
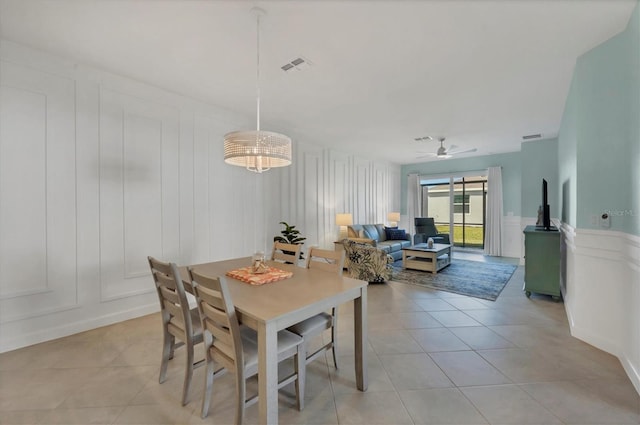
column 179, row 322
column 286, row 252
column 308, row 329
column 235, row 346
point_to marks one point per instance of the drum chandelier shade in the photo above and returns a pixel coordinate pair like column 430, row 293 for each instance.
column 257, row 150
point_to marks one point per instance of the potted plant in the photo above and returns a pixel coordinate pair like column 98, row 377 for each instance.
column 290, row 235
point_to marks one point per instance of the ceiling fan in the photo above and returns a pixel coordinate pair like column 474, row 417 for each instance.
column 443, row 152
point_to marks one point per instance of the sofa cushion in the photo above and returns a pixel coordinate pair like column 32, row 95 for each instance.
column 392, row 246
column 355, row 231
column 371, row 232
column 382, row 234
column 397, row 234
column 385, row 246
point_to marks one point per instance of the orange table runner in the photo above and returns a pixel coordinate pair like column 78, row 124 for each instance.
column 271, row 275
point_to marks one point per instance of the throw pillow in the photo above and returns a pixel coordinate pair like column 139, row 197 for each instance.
column 386, row 231
column 397, row 234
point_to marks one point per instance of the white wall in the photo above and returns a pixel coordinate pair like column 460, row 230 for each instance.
column 601, row 288
column 98, row 171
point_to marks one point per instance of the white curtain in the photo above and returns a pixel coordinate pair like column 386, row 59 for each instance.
column 493, row 234
column 414, row 201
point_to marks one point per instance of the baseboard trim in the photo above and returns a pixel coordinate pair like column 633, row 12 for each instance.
column 632, row 372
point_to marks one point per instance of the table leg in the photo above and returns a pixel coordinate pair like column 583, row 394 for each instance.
column 268, row 373
column 360, row 334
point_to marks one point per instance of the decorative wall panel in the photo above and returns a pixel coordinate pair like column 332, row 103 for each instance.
column 37, row 193
column 312, row 197
column 139, row 214
column 150, row 180
column 601, row 276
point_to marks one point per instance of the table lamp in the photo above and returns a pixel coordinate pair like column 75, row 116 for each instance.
column 394, row 218
column 343, row 220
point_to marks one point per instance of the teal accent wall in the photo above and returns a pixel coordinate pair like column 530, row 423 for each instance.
column 567, row 157
column 511, row 181
column 600, row 134
column 634, row 154
column 539, row 161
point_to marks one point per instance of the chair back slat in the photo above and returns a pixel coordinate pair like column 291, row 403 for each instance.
column 286, row 252
column 221, row 334
column 213, row 298
column 323, row 259
column 170, row 295
column 175, row 310
column 174, row 306
column 219, row 319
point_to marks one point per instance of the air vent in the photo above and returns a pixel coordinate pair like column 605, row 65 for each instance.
column 298, row 63
column 423, row 139
column 532, row 136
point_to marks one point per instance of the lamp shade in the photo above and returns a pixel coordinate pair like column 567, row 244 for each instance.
column 344, row 219
column 393, row 216
column 258, row 150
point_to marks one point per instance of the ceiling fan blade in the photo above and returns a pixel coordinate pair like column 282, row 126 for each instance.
column 463, row 151
column 427, row 155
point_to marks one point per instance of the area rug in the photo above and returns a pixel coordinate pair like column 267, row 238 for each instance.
column 472, row 278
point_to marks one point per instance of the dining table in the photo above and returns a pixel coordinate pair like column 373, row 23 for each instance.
column 271, row 307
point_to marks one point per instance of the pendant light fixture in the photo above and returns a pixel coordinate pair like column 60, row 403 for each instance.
column 257, row 150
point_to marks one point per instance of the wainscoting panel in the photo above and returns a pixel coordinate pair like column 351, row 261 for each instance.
column 630, row 347
column 512, row 237
column 37, row 193
column 602, row 292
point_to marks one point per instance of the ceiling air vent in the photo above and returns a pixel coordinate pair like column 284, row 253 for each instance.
column 532, row 136
column 298, row 63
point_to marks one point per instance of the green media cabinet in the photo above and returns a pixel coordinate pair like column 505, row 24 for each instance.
column 542, row 262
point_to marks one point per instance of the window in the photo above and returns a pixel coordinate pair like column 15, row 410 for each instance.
column 461, row 204
column 457, row 204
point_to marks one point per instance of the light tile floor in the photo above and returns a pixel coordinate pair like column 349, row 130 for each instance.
column 434, row 358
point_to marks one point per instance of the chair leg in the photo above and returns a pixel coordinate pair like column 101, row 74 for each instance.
column 241, row 395
column 167, row 354
column 188, row 373
column 301, row 371
column 208, row 386
column 334, row 337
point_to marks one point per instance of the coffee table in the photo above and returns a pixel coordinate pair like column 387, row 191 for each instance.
column 420, row 257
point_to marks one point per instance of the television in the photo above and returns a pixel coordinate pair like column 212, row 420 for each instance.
column 545, row 223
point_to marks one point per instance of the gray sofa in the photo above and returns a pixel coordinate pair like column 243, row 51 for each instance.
column 376, row 235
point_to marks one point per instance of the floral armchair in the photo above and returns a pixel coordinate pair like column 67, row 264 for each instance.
column 366, row 262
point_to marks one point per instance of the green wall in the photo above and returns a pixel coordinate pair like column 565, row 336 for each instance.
column 634, row 154
column 567, row 157
column 539, row 161
column 511, row 182
column 599, row 135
